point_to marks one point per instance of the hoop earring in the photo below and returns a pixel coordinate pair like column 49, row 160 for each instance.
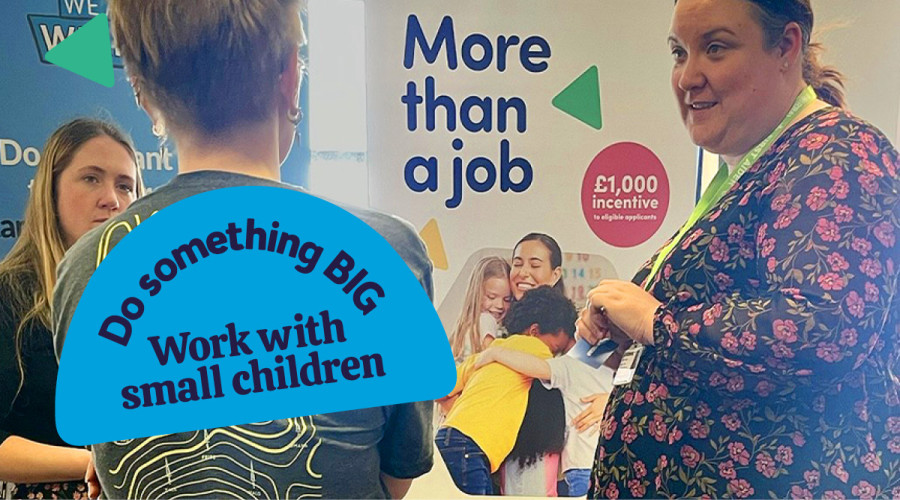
column 159, row 130
column 295, row 116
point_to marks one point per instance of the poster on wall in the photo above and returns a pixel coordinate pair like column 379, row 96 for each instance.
column 489, row 122
column 38, row 97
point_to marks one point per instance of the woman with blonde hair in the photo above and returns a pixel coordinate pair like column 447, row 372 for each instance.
column 87, row 173
column 487, row 299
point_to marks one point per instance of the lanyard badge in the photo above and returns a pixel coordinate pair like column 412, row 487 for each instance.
column 628, row 366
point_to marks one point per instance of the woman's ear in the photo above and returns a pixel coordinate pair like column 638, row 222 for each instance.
column 557, row 273
column 790, row 46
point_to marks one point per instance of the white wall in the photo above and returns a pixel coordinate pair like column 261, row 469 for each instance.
column 337, row 100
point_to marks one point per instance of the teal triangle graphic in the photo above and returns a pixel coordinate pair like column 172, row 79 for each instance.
column 581, row 99
column 87, row 52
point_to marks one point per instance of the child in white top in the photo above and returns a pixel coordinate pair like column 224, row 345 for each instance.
column 578, row 383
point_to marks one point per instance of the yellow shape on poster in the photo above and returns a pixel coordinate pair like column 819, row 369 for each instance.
column 431, row 235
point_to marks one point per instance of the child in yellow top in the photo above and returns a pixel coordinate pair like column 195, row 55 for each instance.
column 481, row 428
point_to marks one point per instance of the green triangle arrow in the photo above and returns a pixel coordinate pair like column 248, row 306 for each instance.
column 581, row 99
column 87, row 52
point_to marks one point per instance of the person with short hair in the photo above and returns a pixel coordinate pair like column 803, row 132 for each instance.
column 221, row 79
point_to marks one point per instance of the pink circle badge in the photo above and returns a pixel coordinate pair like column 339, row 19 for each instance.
column 625, row 194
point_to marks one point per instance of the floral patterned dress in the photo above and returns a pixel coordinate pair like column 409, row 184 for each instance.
column 775, row 357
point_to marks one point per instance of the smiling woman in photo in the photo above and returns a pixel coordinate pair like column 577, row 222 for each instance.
column 536, row 261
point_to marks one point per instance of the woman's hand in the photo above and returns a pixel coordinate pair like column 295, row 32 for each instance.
column 623, row 304
column 592, row 324
column 591, row 417
column 93, row 483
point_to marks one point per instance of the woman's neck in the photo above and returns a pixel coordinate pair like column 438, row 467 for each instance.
column 815, row 105
column 250, row 150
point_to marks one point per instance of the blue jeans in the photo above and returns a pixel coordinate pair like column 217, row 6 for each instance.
column 468, row 465
column 577, row 482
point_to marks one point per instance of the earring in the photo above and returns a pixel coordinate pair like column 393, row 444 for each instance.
column 159, row 130
column 295, row 116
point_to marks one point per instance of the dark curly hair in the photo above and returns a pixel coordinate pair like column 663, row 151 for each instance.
column 547, row 307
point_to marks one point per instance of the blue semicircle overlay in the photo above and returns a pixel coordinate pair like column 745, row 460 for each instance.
column 184, row 331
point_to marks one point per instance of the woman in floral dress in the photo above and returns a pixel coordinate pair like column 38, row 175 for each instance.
column 771, row 324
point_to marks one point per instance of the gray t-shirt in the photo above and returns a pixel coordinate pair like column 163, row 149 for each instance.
column 337, row 455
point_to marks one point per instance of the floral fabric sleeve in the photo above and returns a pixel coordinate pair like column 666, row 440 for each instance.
column 826, row 257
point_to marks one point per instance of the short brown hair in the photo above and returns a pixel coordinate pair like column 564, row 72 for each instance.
column 206, row 65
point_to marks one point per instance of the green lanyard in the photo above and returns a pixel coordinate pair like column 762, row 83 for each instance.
column 723, row 182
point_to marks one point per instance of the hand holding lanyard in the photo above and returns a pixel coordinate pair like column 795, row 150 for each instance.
column 713, row 193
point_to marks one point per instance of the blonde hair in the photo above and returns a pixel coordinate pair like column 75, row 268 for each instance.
column 206, row 65
column 467, row 327
column 28, row 271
